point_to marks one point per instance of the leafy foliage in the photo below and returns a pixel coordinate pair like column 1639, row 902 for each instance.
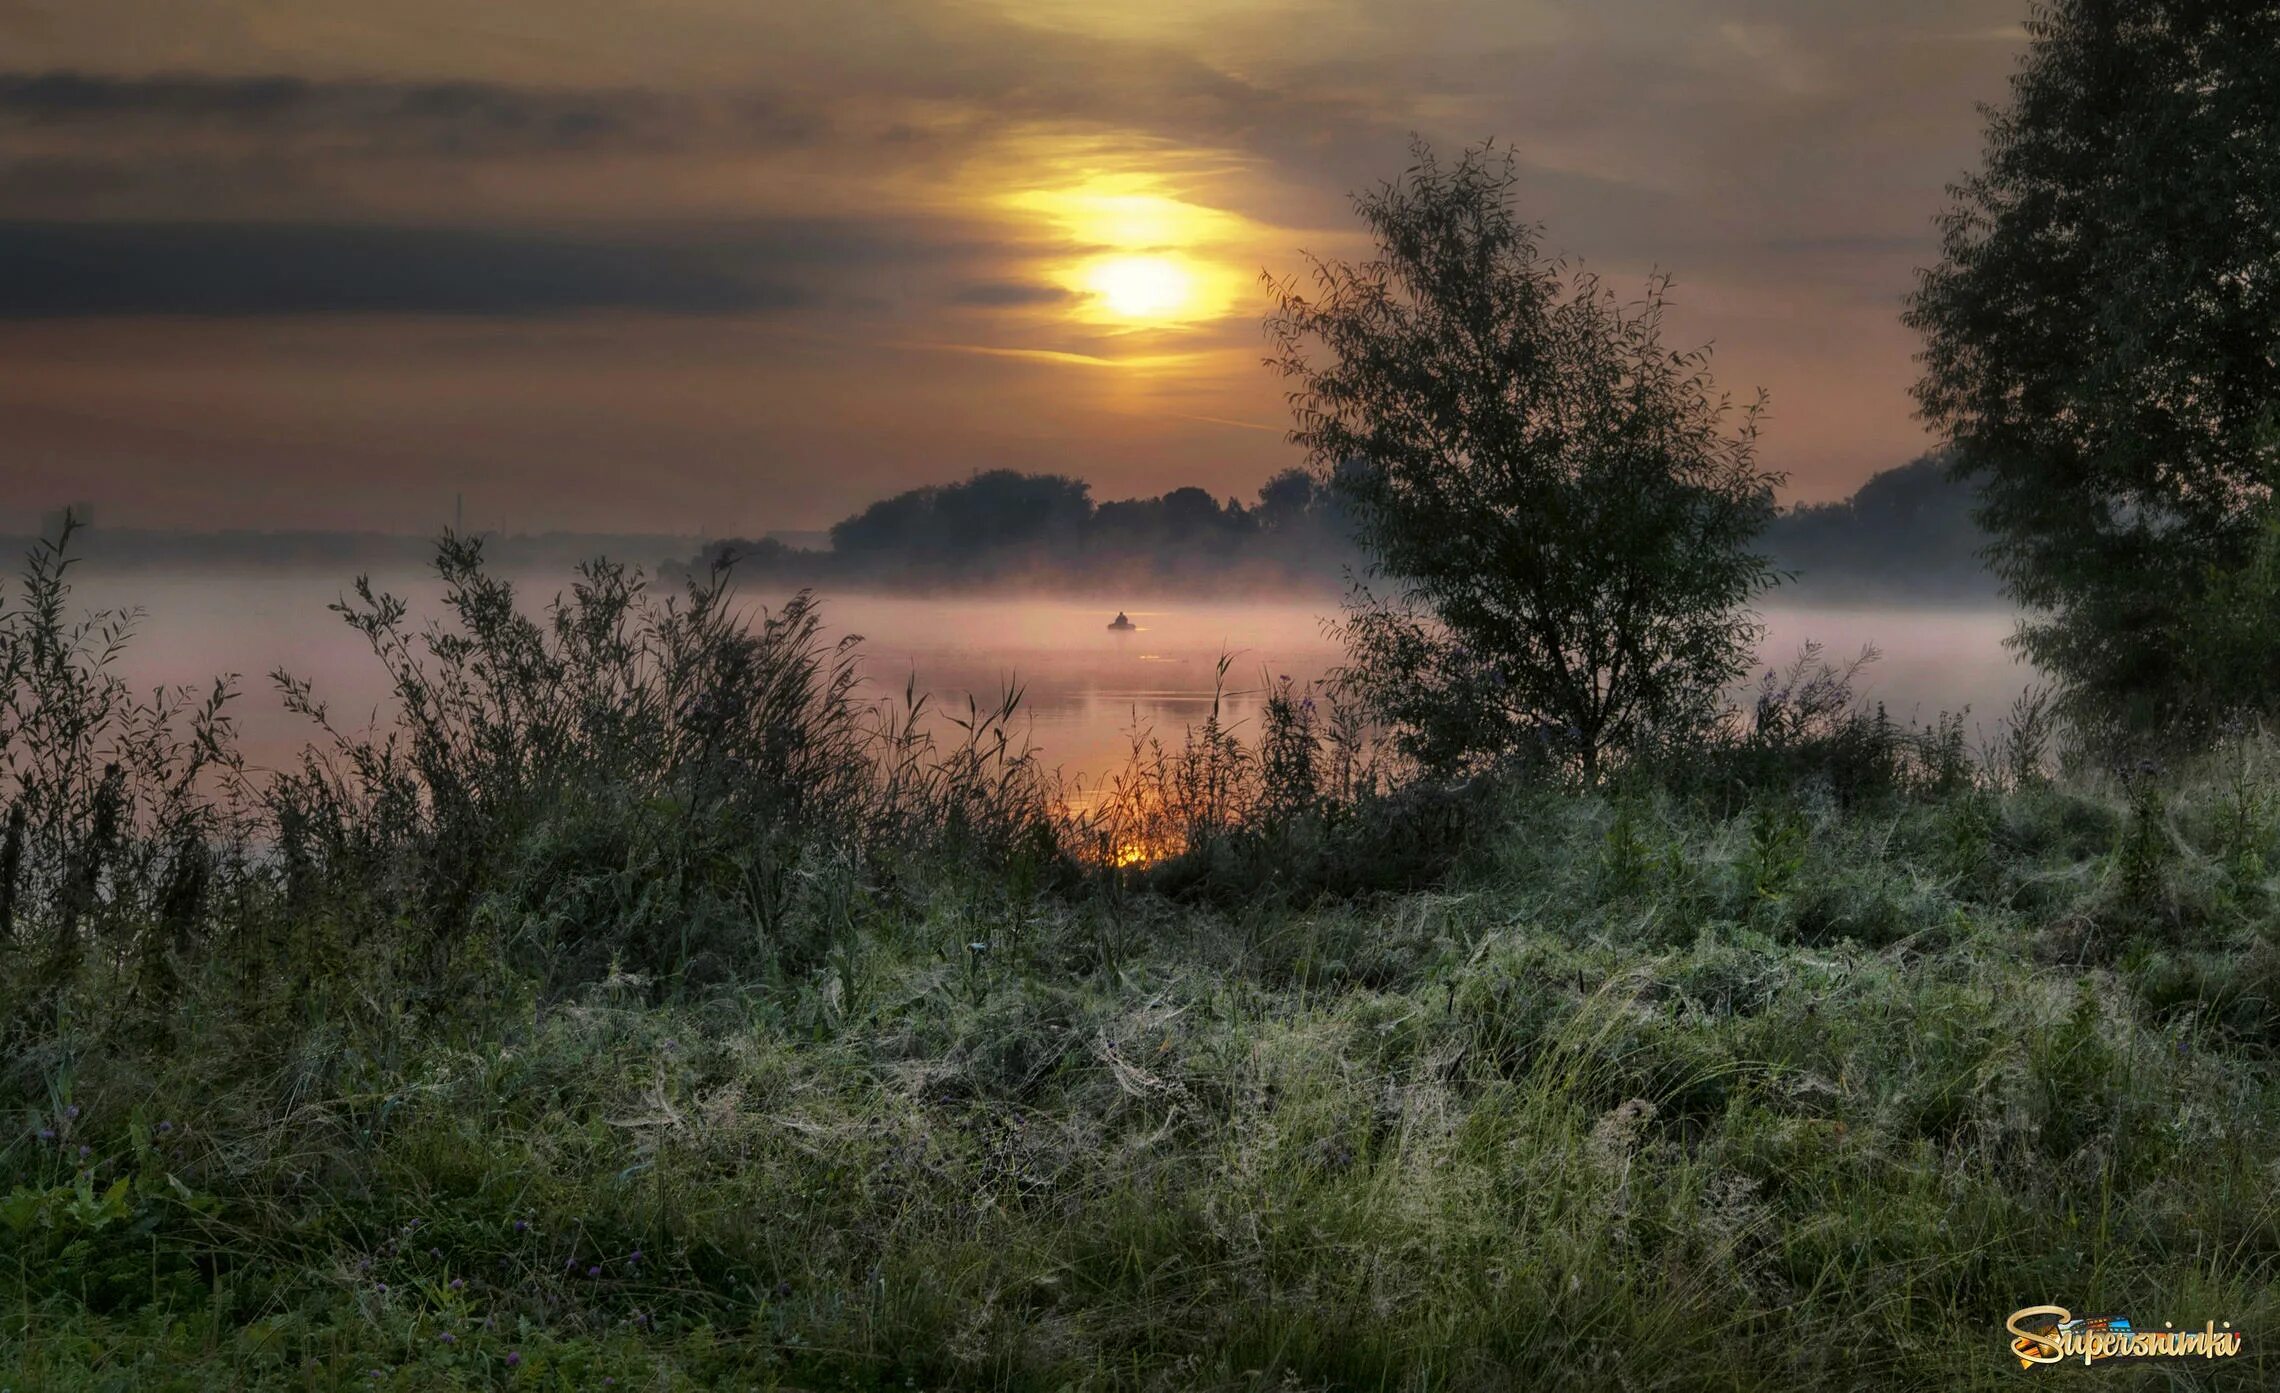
column 1561, row 506
column 120, row 810
column 631, row 781
column 2102, row 345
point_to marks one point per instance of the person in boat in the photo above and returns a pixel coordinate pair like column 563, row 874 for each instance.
column 1120, row 622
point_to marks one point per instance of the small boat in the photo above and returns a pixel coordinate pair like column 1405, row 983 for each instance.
column 1121, row 622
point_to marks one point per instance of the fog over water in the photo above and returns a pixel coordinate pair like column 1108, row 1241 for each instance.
column 1086, row 688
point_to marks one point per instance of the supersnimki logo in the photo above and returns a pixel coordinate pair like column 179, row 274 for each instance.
column 2050, row 1334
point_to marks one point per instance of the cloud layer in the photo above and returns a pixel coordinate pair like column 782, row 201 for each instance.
column 852, row 225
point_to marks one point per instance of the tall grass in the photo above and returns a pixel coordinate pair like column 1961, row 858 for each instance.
column 122, row 811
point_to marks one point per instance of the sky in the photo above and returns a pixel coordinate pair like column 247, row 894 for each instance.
column 727, row 266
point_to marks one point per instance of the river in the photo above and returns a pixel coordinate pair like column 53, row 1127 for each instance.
column 1086, row 689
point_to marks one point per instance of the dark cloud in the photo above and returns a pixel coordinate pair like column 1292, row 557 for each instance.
column 1009, row 293
column 74, row 96
column 65, row 270
column 478, row 119
column 60, row 179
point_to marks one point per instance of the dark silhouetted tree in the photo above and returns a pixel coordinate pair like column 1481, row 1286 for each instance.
column 1907, row 534
column 2102, row 346
column 1560, row 508
column 991, row 521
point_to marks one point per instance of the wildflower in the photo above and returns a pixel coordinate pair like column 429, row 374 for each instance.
column 435, row 1252
column 448, row 1338
column 164, row 1128
column 383, row 1288
column 72, row 1111
column 47, row 1134
column 458, row 1284
column 85, row 1152
column 671, row 1045
column 514, row 1360
column 634, row 1256
column 595, row 1271
column 521, row 1225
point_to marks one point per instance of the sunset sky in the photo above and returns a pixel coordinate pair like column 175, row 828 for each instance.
column 723, row 266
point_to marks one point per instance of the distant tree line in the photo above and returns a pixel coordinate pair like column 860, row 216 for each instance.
column 1907, row 534
column 1005, row 528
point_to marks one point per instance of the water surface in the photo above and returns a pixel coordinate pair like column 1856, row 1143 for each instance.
column 1086, row 689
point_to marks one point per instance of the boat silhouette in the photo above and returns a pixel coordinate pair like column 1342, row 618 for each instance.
column 1121, row 622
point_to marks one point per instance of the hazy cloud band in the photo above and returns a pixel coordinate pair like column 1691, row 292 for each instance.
column 78, row 270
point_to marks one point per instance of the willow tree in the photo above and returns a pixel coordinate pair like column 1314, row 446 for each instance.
column 1559, row 511
column 2102, row 345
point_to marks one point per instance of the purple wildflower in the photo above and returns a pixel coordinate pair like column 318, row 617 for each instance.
column 514, row 1360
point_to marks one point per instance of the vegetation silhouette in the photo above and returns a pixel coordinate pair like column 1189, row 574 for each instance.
column 1560, row 513
column 2101, row 346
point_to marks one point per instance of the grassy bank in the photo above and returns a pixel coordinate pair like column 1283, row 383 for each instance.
column 1640, row 1096
column 639, row 1011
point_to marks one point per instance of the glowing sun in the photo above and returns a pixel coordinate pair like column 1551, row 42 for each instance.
column 1142, row 287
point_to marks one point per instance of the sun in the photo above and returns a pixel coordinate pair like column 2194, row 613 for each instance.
column 1139, row 257
column 1142, row 287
